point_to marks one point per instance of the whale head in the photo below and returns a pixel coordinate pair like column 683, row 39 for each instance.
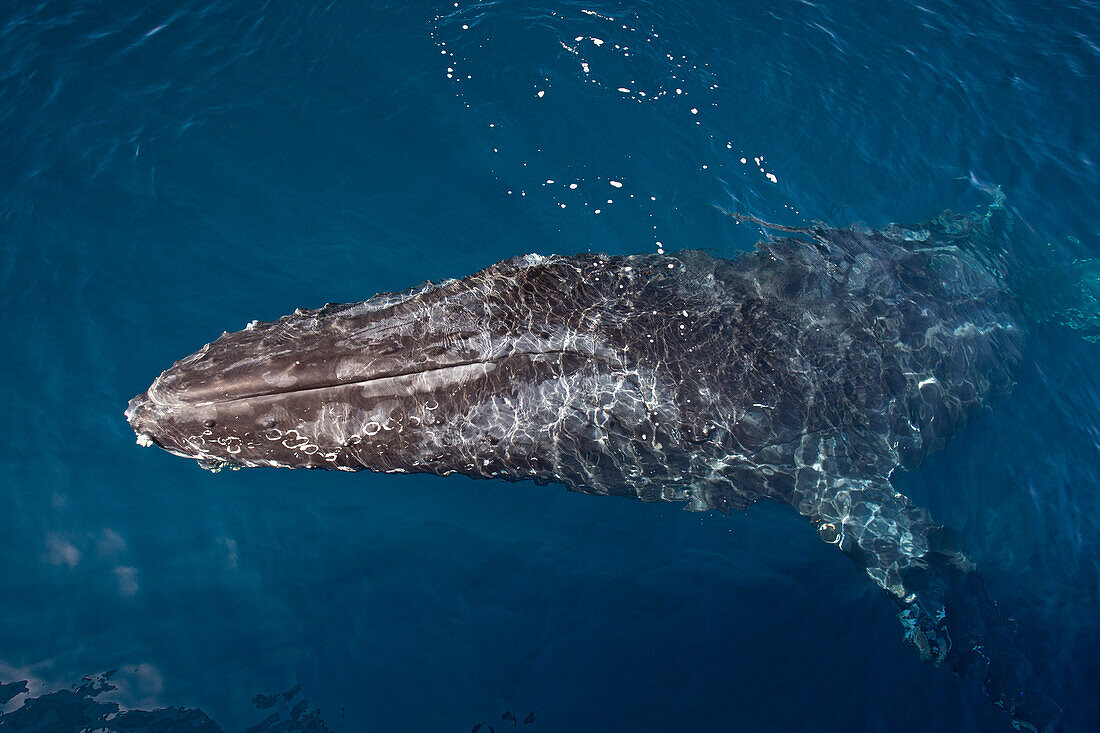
column 535, row 368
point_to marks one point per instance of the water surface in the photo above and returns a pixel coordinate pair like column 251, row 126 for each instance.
column 170, row 170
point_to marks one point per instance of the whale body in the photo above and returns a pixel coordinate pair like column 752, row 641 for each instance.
column 806, row 371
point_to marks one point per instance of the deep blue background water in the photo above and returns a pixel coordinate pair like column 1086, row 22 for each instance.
column 170, row 170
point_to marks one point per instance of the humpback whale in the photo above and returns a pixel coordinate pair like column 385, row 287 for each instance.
column 806, row 371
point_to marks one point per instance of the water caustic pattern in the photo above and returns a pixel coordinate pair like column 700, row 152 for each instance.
column 806, row 372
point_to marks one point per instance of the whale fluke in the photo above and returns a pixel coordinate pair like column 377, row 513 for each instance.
column 806, row 372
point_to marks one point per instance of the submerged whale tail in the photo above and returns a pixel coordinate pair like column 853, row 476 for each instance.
column 842, row 484
column 943, row 605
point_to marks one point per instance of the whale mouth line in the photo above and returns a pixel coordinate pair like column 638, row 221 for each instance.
column 443, row 374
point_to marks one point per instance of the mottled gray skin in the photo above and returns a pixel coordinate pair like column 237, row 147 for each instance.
column 806, row 372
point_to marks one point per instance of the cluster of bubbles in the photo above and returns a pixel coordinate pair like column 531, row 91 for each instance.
column 622, row 57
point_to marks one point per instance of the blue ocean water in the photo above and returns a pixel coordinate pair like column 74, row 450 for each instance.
column 170, row 170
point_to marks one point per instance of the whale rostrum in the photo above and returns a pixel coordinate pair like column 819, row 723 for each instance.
column 806, row 371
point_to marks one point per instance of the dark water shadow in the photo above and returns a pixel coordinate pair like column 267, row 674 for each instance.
column 79, row 709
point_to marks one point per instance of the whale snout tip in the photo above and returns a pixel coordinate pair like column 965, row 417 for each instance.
column 138, row 415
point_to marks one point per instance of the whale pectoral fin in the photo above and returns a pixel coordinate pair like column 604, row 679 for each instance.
column 943, row 604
